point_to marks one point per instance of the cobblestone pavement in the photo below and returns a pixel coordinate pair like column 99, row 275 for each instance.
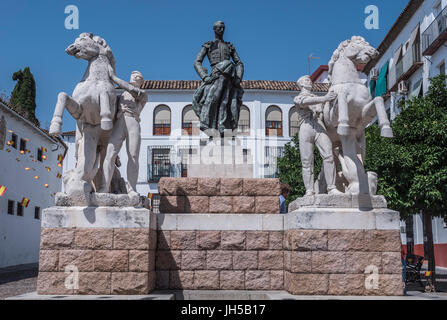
column 17, row 280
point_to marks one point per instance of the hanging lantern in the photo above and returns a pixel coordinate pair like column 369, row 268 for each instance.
column 27, row 168
column 36, row 177
column 46, row 185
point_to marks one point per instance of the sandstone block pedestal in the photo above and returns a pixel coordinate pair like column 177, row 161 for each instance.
column 97, row 250
column 333, row 250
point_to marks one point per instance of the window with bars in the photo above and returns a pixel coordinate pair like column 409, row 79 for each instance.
column 37, row 213
column 162, row 128
column 19, row 209
column 11, row 207
column 14, row 140
column 22, row 145
column 160, row 164
column 243, row 127
column 270, row 162
column 39, row 154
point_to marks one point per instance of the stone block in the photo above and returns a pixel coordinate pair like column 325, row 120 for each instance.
column 81, row 259
column 208, row 240
column 271, row 260
column 233, row 240
column 257, row 280
column 221, row 204
column 287, row 260
column 389, row 285
column 94, row 283
column 187, row 186
column 300, row 261
column 257, row 240
column 153, row 239
column 267, row 204
column 172, row 204
column 193, row 260
column 306, row 283
column 356, row 262
column 277, row 280
column 383, row 240
column 346, row 284
column 48, row 260
column 261, row 187
column 276, row 239
column 139, row 261
column 302, row 240
column 168, row 260
column 183, row 240
column 163, row 240
column 52, row 283
column 232, row 280
column 244, row 204
column 231, row 186
column 94, row 238
column 328, row 262
column 391, row 263
column 196, row 204
column 167, row 186
column 131, row 238
column 219, row 260
column 181, row 280
column 346, row 240
column 208, row 186
column 56, row 238
column 206, row 280
column 245, row 260
column 130, row 283
column 162, row 279
column 111, row 260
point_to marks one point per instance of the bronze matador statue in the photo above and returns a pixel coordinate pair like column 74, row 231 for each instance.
column 218, row 100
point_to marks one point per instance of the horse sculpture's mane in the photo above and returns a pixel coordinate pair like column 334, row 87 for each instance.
column 339, row 50
column 107, row 51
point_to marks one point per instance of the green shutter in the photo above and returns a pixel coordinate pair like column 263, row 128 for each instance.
column 372, row 87
column 381, row 84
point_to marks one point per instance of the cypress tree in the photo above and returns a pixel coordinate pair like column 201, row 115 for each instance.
column 23, row 97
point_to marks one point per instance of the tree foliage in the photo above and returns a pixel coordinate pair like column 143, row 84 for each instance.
column 23, row 97
column 412, row 167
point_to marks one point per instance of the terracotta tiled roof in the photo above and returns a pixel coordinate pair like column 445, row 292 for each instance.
column 246, row 84
column 394, row 31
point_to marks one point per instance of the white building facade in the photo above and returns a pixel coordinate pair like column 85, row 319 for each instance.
column 412, row 52
column 29, row 177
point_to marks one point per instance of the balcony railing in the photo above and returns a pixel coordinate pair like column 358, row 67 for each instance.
column 406, row 66
column 163, row 128
column 435, row 35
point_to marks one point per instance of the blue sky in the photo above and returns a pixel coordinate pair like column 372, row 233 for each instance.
column 161, row 38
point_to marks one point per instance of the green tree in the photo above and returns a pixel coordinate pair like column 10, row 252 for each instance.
column 23, row 97
column 412, row 167
column 289, row 166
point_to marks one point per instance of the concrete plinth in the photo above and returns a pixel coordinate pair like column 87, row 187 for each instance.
column 97, row 251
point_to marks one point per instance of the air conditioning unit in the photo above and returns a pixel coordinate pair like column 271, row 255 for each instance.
column 402, row 88
column 373, row 74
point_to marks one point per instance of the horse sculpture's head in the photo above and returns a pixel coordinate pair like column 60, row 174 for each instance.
column 356, row 49
column 87, row 46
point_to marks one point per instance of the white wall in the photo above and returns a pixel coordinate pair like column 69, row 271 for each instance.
column 20, row 235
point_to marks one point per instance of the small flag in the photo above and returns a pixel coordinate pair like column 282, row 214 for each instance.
column 427, row 273
column 150, row 195
column 44, row 149
column 25, row 202
column 22, row 151
column 48, row 169
column 36, row 177
column 59, row 164
column 59, row 158
column 44, row 157
column 46, row 185
column 27, row 168
column 10, row 131
column 58, row 175
column 2, row 190
column 9, row 143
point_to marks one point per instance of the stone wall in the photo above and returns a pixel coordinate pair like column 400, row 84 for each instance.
column 219, row 195
column 225, row 260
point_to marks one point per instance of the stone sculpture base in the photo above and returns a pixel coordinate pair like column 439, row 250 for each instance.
column 109, row 250
column 220, row 158
column 342, row 251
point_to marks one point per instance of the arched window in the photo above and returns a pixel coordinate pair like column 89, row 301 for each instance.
column 294, row 119
column 273, row 121
column 162, row 121
column 190, row 122
column 243, row 125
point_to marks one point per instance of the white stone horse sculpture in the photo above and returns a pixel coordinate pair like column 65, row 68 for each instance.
column 347, row 117
column 93, row 105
